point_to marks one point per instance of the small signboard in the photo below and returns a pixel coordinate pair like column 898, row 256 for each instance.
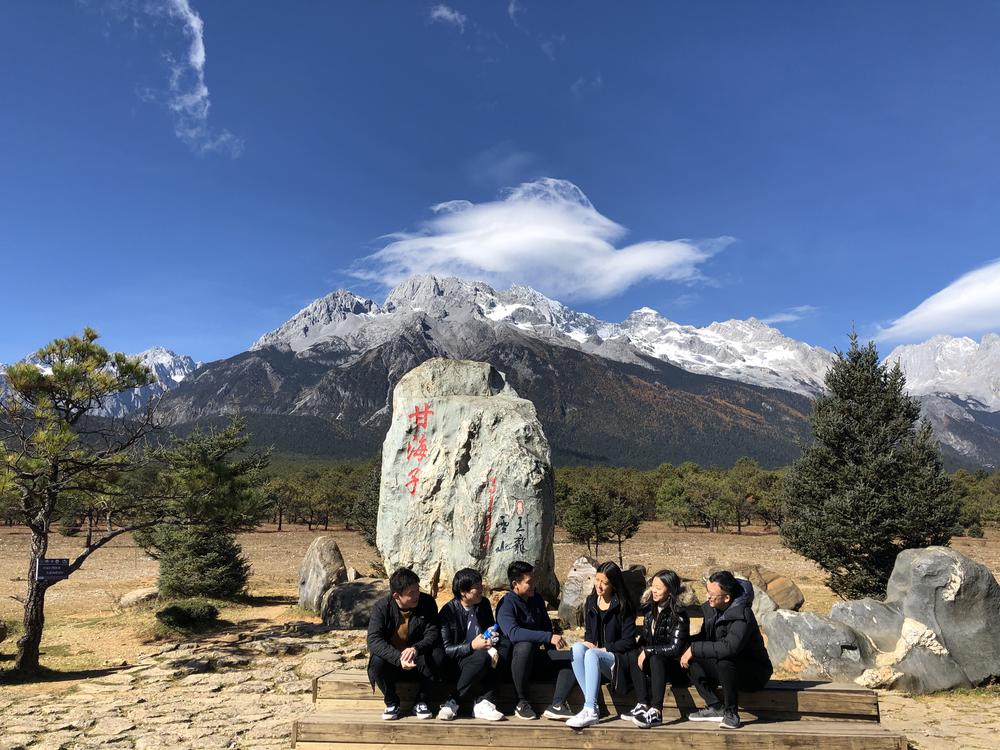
column 52, row 570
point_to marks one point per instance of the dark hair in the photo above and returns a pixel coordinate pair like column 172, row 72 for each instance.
column 672, row 582
column 464, row 580
column 517, row 570
column 401, row 580
column 617, row 581
column 727, row 582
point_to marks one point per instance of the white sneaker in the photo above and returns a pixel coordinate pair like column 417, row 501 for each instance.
column 449, row 710
column 486, row 711
column 422, row 710
column 585, row 718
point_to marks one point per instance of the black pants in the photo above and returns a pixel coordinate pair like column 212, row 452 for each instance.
column 529, row 660
column 661, row 671
column 732, row 674
column 474, row 670
column 385, row 675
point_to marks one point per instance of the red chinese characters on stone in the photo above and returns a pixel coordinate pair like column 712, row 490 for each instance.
column 421, row 417
column 417, row 448
column 485, row 541
column 413, row 481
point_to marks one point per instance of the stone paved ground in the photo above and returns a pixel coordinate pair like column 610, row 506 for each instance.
column 946, row 721
column 226, row 691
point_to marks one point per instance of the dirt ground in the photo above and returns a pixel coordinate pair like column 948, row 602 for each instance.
column 87, row 630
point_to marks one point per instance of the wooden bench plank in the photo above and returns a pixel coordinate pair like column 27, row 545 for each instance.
column 366, row 731
column 784, row 699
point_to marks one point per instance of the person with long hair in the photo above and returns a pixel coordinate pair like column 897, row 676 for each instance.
column 666, row 631
column 609, row 636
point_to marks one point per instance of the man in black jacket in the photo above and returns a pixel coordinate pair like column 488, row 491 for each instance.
column 402, row 633
column 470, row 638
column 729, row 650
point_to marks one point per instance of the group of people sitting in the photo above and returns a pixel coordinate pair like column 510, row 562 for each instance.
column 465, row 647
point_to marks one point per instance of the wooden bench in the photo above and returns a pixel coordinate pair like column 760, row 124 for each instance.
column 788, row 714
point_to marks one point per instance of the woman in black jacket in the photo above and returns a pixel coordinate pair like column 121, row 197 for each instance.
column 609, row 636
column 665, row 635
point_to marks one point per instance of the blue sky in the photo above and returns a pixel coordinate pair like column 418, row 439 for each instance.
column 189, row 173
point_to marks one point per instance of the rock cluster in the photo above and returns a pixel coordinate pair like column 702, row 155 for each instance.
column 466, row 478
column 349, row 605
column 937, row 629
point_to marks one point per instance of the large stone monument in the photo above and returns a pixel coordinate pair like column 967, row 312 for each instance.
column 466, row 478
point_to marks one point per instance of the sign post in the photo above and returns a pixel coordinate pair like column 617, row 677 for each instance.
column 52, row 570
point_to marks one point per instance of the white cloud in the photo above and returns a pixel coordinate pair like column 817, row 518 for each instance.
column 582, row 85
column 513, row 9
column 188, row 93
column 545, row 233
column 443, row 14
column 969, row 305
column 792, row 314
column 503, row 164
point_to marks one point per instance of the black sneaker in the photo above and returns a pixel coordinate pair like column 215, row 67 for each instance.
column 391, row 713
column 709, row 713
column 653, row 718
column 730, row 720
column 638, row 710
column 422, row 711
column 559, row 713
column 525, row 711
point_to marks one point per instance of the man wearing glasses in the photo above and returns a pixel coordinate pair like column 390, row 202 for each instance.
column 729, row 651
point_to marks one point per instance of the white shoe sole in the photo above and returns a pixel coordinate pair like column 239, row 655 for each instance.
column 705, row 718
column 555, row 717
column 501, row 717
column 583, row 725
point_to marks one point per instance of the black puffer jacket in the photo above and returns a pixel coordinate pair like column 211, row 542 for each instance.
column 732, row 633
column 454, row 623
column 422, row 631
column 666, row 641
column 614, row 631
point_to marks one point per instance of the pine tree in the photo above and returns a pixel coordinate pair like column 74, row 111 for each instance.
column 201, row 561
column 871, row 484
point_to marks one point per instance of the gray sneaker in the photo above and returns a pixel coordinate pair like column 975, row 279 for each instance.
column 709, row 713
column 730, row 720
column 559, row 713
column 525, row 711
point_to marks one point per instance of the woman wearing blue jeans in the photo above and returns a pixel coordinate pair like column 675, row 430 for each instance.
column 609, row 636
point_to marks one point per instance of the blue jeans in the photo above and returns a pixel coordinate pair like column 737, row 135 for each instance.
column 589, row 665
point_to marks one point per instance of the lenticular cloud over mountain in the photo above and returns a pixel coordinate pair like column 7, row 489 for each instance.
column 545, row 232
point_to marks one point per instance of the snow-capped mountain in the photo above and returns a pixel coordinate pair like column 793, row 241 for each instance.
column 953, row 366
column 745, row 350
column 168, row 369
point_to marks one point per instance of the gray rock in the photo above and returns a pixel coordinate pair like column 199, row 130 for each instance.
column 138, row 596
column 349, row 605
column 466, row 478
column 575, row 590
column 762, row 604
column 322, row 567
column 879, row 622
column 812, row 646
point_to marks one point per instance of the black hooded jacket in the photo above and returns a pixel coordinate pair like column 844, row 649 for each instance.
column 666, row 641
column 733, row 633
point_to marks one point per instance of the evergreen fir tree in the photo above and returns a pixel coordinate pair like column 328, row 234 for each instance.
column 201, row 561
column 872, row 483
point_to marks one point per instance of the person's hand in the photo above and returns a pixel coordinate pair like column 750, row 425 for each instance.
column 686, row 658
column 479, row 643
column 557, row 641
column 642, row 658
column 408, row 658
column 588, row 644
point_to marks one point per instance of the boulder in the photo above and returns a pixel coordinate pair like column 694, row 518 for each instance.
column 321, row 568
column 139, row 596
column 3, row 631
column 781, row 589
column 762, row 604
column 576, row 588
column 812, row 646
column 466, row 478
column 349, row 605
